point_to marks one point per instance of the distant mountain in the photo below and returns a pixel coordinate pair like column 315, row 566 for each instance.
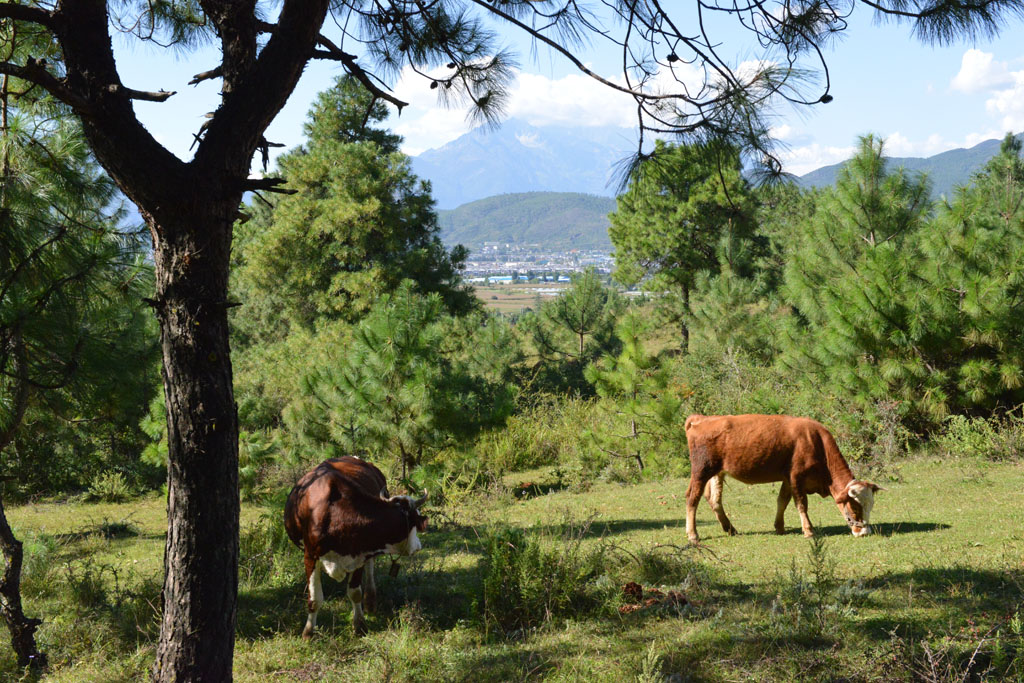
column 555, row 220
column 518, row 157
column 946, row 170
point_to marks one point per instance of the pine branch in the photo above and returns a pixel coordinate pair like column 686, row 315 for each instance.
column 34, row 71
column 335, row 53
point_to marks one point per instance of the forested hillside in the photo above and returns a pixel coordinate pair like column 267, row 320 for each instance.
column 946, row 171
column 555, row 220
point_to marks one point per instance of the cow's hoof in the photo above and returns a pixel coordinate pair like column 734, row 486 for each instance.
column 731, row 531
column 307, row 633
column 359, row 627
column 808, row 534
column 781, row 531
column 694, row 540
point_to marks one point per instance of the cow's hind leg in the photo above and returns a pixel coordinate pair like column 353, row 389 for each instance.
column 800, row 498
column 369, row 587
column 785, row 494
column 713, row 492
column 698, row 480
column 355, row 596
column 316, row 594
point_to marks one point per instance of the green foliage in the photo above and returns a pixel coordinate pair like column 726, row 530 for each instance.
column 646, row 419
column 687, row 212
column 411, row 380
column 528, row 583
column 109, row 487
column 314, row 263
column 979, row 437
column 76, row 342
column 897, row 304
column 572, row 330
column 266, row 556
column 359, row 223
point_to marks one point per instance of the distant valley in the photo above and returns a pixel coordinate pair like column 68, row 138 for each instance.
column 555, row 187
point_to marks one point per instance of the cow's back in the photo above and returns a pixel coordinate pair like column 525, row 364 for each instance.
column 329, row 480
column 752, row 448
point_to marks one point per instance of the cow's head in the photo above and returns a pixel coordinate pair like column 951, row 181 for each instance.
column 855, row 504
column 410, row 509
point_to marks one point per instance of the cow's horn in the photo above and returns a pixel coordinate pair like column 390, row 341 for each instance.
column 384, row 493
column 421, row 500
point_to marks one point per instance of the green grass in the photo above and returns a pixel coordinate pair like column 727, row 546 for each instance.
column 940, row 581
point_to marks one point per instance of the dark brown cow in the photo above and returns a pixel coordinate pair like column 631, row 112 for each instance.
column 341, row 516
column 757, row 449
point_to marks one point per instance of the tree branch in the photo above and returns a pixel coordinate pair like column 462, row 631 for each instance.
column 20, row 12
column 35, row 72
column 133, row 94
column 216, row 72
column 267, row 185
column 335, row 53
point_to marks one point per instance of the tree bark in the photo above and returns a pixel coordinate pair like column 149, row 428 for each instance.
column 201, row 554
column 21, row 627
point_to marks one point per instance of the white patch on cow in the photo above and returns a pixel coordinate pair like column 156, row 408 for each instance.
column 316, row 596
column 338, row 567
column 866, row 498
column 409, row 546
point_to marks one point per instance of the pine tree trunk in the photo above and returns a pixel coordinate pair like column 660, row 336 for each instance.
column 201, row 554
column 21, row 627
column 684, row 320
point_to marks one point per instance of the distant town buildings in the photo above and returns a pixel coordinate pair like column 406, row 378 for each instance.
column 505, row 263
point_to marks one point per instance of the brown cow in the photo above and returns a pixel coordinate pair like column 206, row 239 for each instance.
column 757, row 449
column 341, row 516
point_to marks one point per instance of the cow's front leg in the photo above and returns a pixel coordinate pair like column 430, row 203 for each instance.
column 355, row 595
column 785, row 494
column 800, row 498
column 316, row 594
column 713, row 491
column 369, row 587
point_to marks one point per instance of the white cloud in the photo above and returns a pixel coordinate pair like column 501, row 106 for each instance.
column 573, row 100
column 979, row 72
column 801, row 160
column 576, row 99
column 1009, row 104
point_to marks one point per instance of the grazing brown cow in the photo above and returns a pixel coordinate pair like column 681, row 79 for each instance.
column 341, row 516
column 757, row 449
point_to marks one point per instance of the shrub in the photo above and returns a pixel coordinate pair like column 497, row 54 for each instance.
column 527, row 583
column 109, row 487
column 978, row 437
column 266, row 555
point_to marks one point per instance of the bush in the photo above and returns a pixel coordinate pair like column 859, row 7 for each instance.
column 266, row 555
column 531, row 578
column 978, row 437
column 109, row 487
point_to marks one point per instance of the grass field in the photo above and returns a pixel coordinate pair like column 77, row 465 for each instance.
column 935, row 594
column 515, row 298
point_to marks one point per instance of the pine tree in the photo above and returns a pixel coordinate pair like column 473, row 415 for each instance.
column 852, row 276
column 71, row 321
column 572, row 330
column 642, row 414
column 403, row 385
column 686, row 212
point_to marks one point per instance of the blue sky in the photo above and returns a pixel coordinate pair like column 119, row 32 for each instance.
column 922, row 99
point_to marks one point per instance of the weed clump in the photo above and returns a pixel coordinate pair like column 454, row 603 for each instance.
column 529, row 580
